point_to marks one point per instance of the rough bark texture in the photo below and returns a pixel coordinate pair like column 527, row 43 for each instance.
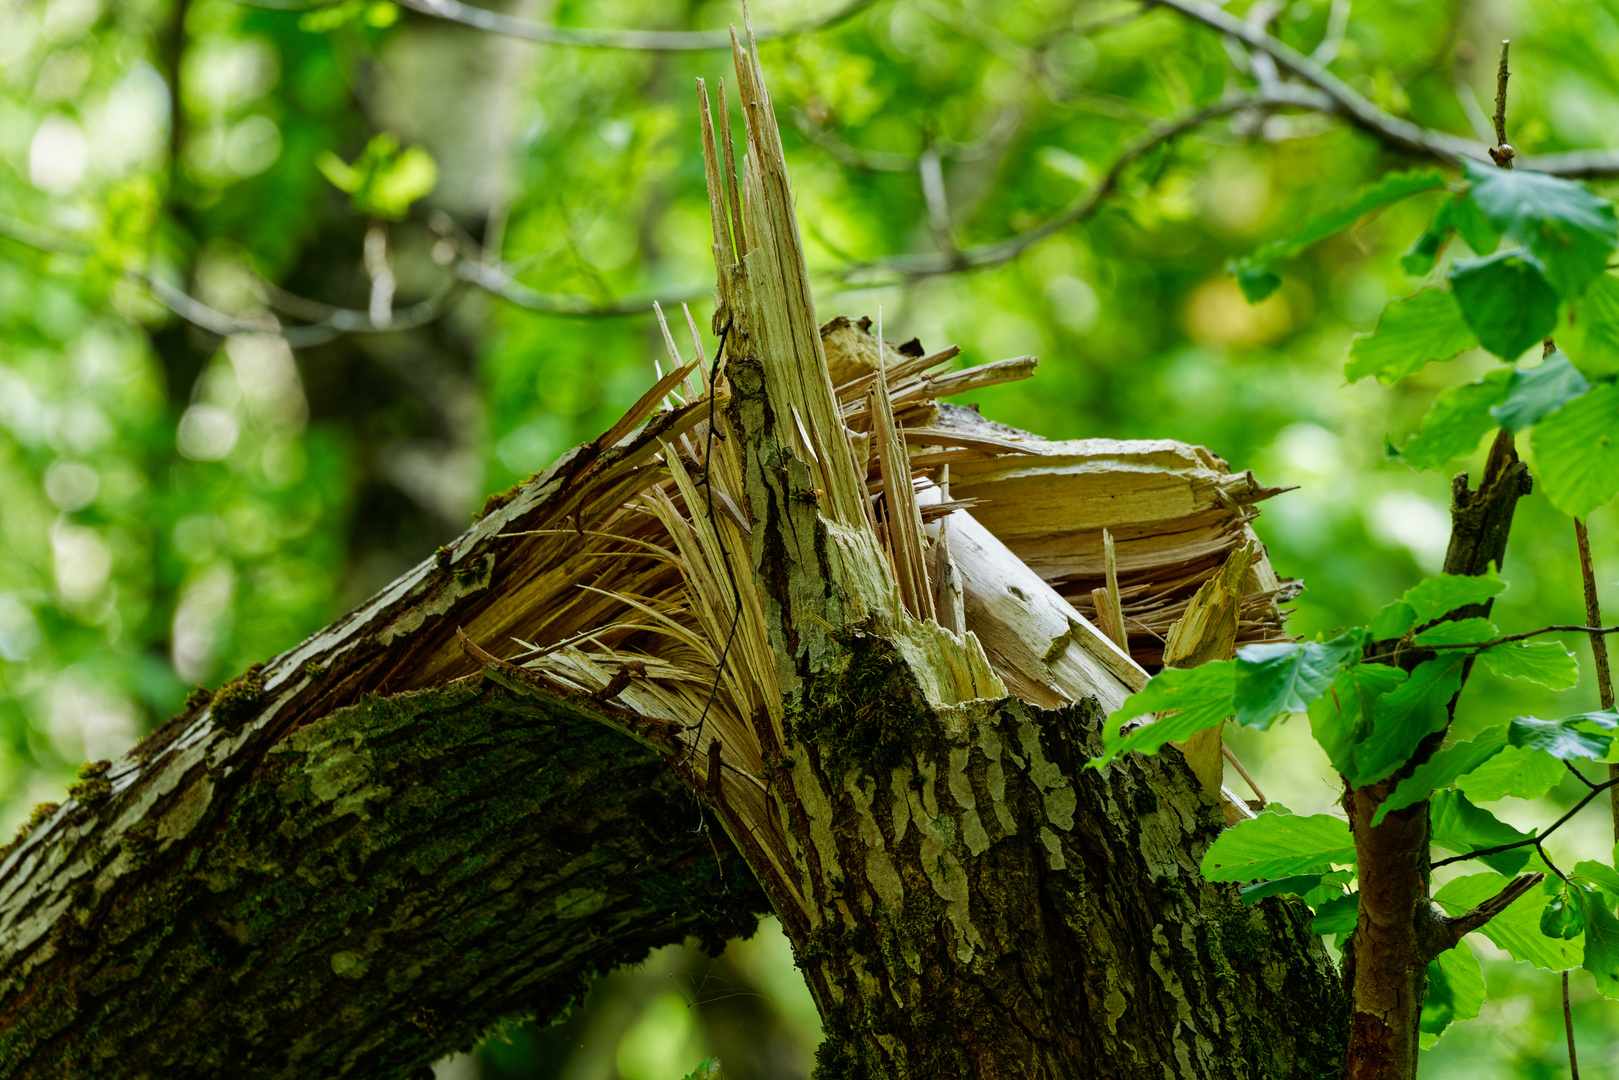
column 359, row 855
column 965, row 897
column 386, row 885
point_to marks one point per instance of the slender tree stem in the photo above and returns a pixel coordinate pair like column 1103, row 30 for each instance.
column 1599, row 644
column 1501, row 153
column 1568, row 1029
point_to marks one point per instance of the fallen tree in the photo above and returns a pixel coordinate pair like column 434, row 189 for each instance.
column 791, row 636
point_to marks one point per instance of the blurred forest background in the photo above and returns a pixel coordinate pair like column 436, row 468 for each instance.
column 286, row 290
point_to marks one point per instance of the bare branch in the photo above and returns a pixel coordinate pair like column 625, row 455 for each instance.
column 643, row 40
column 1449, row 932
column 1000, row 251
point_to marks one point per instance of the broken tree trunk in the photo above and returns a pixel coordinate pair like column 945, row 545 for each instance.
column 807, row 605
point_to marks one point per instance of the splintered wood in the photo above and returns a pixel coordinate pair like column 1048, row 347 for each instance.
column 629, row 577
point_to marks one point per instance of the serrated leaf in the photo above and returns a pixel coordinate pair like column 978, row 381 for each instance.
column 1284, row 677
column 1455, row 990
column 1506, row 300
column 1444, row 593
column 1517, row 928
column 1337, row 915
column 1458, row 419
column 1562, row 739
column 1601, row 939
column 1442, row 770
column 1341, row 718
column 1458, row 632
column 1577, row 451
column 1460, row 827
column 1517, row 772
column 1409, row 334
column 1279, row 845
column 1548, row 663
column 1191, row 699
column 1537, row 392
column 1405, row 716
column 1570, row 230
column 1589, row 331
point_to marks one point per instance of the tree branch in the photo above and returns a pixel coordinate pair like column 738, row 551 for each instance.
column 1165, row 131
column 1361, row 112
column 1446, row 934
column 640, row 40
column 1535, row 840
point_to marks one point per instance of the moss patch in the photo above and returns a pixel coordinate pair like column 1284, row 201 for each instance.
column 239, row 699
column 865, row 714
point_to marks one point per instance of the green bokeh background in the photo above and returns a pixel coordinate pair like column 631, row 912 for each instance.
column 176, row 504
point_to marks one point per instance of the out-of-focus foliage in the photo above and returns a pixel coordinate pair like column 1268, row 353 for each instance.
column 180, row 500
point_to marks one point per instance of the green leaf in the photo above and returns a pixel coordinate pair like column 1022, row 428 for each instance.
column 1409, row 334
column 1457, row 213
column 1577, row 451
column 384, row 181
column 1458, row 632
column 1455, row 990
column 1590, row 332
column 1442, row 770
column 1296, row 885
column 1405, row 716
column 1444, row 593
column 1257, row 282
column 1517, row 772
column 1254, row 274
column 1602, row 874
column 1394, row 621
column 1506, row 300
column 1279, row 845
column 1339, row 720
column 1337, row 915
column 1601, row 939
column 1281, row 678
column 1548, row 663
column 1459, row 418
column 1516, row 929
column 1459, row 826
column 1569, row 230
column 1563, row 917
column 1194, row 699
column 1537, row 392
column 707, row 1069
column 1562, row 739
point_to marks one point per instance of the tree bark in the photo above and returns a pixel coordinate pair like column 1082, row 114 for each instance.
column 365, row 852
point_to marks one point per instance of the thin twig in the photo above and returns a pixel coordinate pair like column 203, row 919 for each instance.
column 1501, row 153
column 641, row 40
column 1568, row 1029
column 1560, row 628
column 1533, row 840
column 1599, row 644
column 1165, row 131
